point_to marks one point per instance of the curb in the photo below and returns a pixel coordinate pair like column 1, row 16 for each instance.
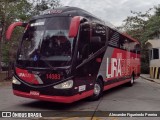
column 149, row 79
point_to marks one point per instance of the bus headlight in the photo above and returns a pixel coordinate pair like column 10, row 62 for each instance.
column 15, row 81
column 64, row 85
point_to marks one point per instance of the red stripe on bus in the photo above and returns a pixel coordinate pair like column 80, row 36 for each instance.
column 116, row 84
column 61, row 99
column 128, row 36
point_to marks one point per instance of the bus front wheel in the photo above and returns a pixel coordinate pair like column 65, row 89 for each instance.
column 98, row 90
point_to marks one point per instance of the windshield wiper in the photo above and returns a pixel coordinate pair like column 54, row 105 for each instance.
column 49, row 65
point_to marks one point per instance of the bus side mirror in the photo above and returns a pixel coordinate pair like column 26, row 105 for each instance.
column 11, row 28
column 74, row 26
column 95, row 39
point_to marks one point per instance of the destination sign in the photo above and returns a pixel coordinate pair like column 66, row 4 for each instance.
column 52, row 11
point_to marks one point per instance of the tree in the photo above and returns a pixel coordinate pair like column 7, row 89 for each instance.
column 11, row 11
column 41, row 5
column 136, row 25
column 18, row 10
column 143, row 26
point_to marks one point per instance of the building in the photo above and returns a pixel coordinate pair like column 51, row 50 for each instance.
column 154, row 56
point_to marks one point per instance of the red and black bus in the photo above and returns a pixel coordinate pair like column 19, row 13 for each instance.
column 67, row 54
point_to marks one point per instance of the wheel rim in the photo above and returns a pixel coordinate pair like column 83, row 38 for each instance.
column 97, row 89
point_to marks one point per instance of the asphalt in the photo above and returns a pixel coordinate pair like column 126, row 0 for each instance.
column 147, row 77
column 143, row 95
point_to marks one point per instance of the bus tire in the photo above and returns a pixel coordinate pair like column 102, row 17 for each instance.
column 131, row 82
column 98, row 90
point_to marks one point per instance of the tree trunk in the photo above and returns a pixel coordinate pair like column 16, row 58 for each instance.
column 3, row 32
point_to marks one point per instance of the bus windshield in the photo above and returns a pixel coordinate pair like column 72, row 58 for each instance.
column 47, row 39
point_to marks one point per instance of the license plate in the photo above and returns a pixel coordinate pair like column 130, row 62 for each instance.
column 34, row 93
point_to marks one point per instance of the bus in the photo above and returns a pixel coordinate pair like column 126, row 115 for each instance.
column 67, row 54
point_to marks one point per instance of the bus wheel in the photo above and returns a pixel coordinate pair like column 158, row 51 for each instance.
column 98, row 90
column 131, row 82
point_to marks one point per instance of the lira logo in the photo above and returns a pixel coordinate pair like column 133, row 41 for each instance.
column 116, row 69
column 24, row 75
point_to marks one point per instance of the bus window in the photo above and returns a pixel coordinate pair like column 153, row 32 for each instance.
column 113, row 38
column 98, row 34
column 132, row 45
column 124, row 43
column 137, row 48
column 84, row 38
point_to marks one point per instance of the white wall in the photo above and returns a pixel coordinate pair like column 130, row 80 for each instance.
column 155, row 63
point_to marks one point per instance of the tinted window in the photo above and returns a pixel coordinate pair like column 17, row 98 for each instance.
column 123, row 43
column 155, row 53
column 98, row 38
column 84, row 39
column 114, row 38
column 49, row 38
column 127, row 44
column 99, row 30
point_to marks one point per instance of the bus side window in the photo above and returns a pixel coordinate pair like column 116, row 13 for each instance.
column 123, row 43
column 99, row 34
column 84, row 38
column 137, row 48
column 114, row 38
column 132, row 46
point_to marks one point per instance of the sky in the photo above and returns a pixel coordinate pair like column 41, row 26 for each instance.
column 113, row 11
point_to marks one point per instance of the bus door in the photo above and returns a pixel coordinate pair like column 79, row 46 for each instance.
column 83, row 76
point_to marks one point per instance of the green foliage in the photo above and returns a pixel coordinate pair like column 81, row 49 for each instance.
column 136, row 25
column 11, row 11
column 144, row 60
column 152, row 27
column 5, row 53
column 18, row 10
column 41, row 5
column 143, row 26
column 157, row 8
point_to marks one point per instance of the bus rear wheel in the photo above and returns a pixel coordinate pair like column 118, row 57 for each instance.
column 98, row 90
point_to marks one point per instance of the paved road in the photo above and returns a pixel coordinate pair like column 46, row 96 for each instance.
column 144, row 95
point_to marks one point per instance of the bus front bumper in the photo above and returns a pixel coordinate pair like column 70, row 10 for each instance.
column 60, row 99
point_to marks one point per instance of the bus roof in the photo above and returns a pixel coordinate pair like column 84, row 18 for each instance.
column 75, row 11
column 67, row 11
column 128, row 36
